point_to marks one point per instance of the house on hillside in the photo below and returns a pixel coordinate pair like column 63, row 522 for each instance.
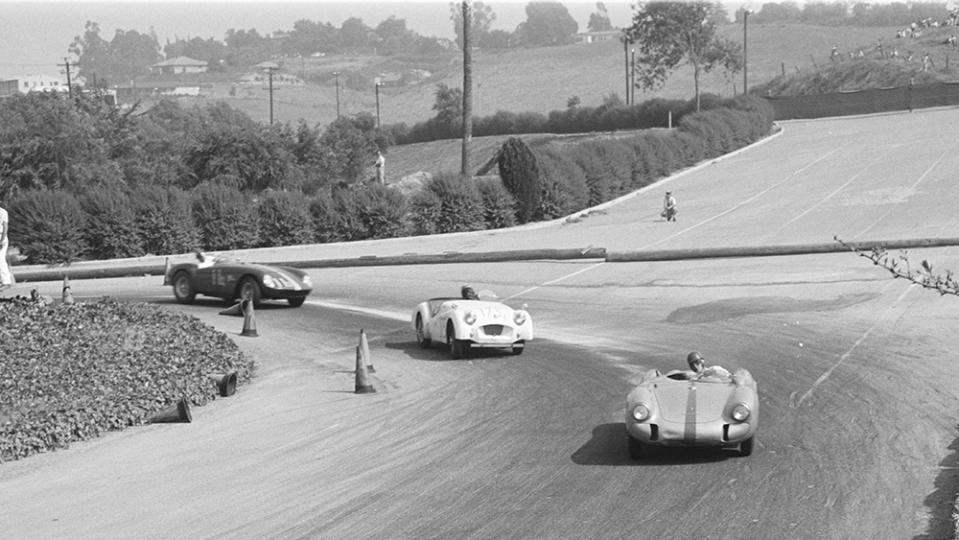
column 596, row 37
column 178, row 65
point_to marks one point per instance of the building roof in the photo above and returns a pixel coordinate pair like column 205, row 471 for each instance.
column 180, row 61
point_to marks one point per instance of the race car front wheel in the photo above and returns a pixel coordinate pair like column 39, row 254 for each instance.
column 423, row 341
column 250, row 290
column 458, row 347
column 183, row 288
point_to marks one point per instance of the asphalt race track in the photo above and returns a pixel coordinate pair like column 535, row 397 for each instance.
column 856, row 371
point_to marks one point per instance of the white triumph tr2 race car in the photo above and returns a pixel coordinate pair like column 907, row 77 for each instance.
column 680, row 408
column 464, row 324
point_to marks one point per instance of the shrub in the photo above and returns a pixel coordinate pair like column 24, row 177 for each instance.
column 423, row 215
column 284, row 219
column 461, row 206
column 323, row 214
column 111, row 229
column 164, row 219
column 564, row 184
column 381, row 210
column 47, row 226
column 590, row 162
column 499, row 207
column 226, row 218
column 520, row 173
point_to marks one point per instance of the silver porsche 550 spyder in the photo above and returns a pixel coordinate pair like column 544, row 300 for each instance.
column 680, row 408
column 465, row 324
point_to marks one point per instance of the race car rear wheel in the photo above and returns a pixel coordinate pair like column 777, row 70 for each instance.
column 296, row 302
column 183, row 288
column 458, row 347
column 746, row 447
column 423, row 341
column 249, row 289
column 636, row 449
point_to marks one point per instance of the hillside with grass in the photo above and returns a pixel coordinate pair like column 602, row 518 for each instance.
column 536, row 80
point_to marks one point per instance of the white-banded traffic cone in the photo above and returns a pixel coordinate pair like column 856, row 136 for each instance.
column 179, row 413
column 363, row 385
column 236, row 309
column 225, row 383
column 249, row 320
column 365, row 352
column 67, row 296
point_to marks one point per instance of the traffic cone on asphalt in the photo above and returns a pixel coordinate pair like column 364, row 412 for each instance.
column 67, row 297
column 236, row 309
column 249, row 320
column 365, row 352
column 225, row 384
column 179, row 413
column 363, row 385
column 166, row 272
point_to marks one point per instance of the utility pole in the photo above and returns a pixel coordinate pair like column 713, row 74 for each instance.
column 376, row 84
column 467, row 88
column 336, row 75
column 626, row 43
column 632, row 77
column 269, row 72
column 66, row 64
column 746, row 13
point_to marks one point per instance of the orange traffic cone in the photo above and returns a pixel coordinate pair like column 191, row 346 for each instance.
column 226, row 384
column 249, row 320
column 166, row 272
column 179, row 413
column 67, row 297
column 363, row 385
column 365, row 351
column 236, row 309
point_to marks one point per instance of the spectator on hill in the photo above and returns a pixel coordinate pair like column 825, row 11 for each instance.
column 6, row 276
column 380, row 165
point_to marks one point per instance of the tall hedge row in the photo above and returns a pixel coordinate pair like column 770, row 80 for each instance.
column 538, row 183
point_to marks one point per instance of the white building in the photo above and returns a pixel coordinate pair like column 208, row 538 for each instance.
column 180, row 64
column 35, row 83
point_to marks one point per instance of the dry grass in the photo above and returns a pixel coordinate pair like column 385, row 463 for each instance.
column 538, row 80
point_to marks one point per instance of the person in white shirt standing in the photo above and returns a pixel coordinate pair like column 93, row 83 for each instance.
column 6, row 276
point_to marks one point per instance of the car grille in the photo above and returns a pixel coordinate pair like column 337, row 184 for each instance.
column 493, row 329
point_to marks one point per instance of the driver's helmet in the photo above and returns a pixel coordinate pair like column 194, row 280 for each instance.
column 467, row 292
column 694, row 359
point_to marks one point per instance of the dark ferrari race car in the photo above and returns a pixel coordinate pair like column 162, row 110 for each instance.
column 231, row 279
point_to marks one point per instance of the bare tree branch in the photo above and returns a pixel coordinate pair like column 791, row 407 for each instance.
column 899, row 266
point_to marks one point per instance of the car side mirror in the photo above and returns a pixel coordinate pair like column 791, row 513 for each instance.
column 524, row 307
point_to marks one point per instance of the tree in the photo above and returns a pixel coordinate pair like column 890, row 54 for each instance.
column 448, row 106
column 671, row 34
column 351, row 144
column 547, row 24
column 353, row 33
column 599, row 21
column 129, row 54
column 481, row 20
column 394, row 36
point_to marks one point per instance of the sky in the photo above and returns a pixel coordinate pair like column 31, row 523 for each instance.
column 37, row 33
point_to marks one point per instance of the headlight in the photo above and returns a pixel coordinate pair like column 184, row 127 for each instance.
column 740, row 412
column 519, row 317
column 470, row 317
column 640, row 412
column 307, row 280
column 270, row 282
